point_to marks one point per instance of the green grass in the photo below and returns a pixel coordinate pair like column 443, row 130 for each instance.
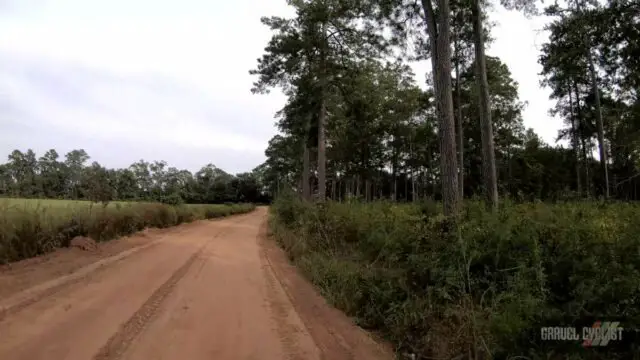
column 486, row 290
column 30, row 227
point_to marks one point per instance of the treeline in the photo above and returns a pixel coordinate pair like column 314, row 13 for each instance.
column 357, row 124
column 25, row 175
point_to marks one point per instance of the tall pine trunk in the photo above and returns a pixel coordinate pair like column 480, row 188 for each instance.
column 486, row 127
column 459, row 130
column 322, row 161
column 411, row 171
column 394, row 172
column 575, row 144
column 306, row 191
column 601, row 144
column 583, row 140
column 439, row 36
column 596, row 97
column 333, row 189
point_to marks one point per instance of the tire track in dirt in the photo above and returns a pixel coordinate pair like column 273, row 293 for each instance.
column 119, row 342
column 40, row 292
column 23, row 299
column 230, row 307
column 18, row 301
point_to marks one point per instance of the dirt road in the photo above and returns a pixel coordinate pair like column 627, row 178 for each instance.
column 211, row 290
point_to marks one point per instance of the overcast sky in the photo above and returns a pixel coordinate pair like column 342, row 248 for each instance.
column 168, row 80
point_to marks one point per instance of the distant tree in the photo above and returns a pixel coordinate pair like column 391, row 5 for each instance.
column 24, row 176
column 96, row 184
column 75, row 161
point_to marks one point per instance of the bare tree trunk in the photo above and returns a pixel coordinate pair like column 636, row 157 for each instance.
column 394, row 170
column 366, row 189
column 574, row 140
column 486, row 126
column 601, row 144
column 411, row 170
column 587, row 165
column 333, row 189
column 322, row 161
column 424, row 184
column 306, row 192
column 460, row 138
column 585, row 159
column 406, row 186
column 459, row 130
column 413, row 186
column 373, row 190
column 599, row 123
column 509, row 170
column 439, row 37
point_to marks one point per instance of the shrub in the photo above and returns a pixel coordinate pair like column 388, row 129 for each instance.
column 485, row 290
column 28, row 230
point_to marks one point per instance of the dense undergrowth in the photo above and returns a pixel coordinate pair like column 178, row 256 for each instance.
column 30, row 228
column 483, row 292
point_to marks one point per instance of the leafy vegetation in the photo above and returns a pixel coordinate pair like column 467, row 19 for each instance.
column 26, row 176
column 484, row 293
column 32, row 227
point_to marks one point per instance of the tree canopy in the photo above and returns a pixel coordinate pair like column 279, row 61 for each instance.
column 344, row 67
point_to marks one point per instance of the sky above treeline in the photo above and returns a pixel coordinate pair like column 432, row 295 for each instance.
column 169, row 80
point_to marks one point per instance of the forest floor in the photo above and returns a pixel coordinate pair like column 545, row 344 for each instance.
column 205, row 290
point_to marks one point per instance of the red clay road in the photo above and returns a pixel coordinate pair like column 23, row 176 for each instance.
column 208, row 290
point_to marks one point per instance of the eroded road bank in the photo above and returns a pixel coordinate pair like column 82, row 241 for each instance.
column 212, row 290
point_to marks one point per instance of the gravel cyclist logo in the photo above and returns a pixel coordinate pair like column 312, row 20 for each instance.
column 601, row 333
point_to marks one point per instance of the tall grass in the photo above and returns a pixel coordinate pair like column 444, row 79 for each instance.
column 484, row 292
column 32, row 227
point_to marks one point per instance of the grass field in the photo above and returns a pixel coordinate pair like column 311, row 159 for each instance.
column 29, row 227
column 485, row 290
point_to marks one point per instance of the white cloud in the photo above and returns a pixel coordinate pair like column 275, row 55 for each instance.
column 518, row 42
column 168, row 76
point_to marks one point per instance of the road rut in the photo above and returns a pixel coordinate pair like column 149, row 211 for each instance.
column 214, row 290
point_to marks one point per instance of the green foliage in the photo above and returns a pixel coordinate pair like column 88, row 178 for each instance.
column 32, row 227
column 25, row 177
column 607, row 33
column 486, row 290
column 172, row 199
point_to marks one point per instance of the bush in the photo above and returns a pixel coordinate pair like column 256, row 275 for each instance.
column 172, row 199
column 37, row 227
column 485, row 290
